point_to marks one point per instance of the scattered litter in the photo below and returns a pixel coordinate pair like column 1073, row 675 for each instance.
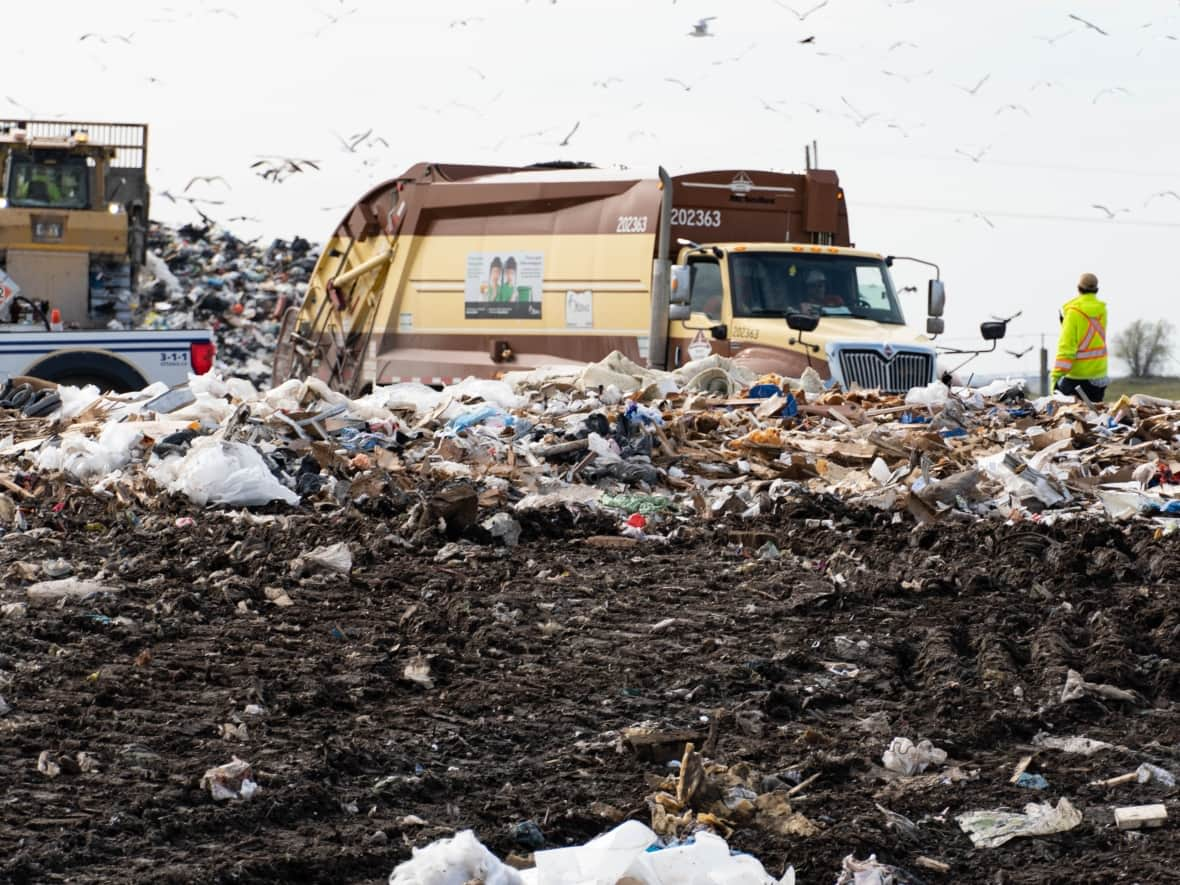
column 906, row 757
column 991, row 829
column 234, row 780
column 1032, row 781
column 1136, row 817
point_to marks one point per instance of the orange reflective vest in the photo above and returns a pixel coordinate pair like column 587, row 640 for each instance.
column 1081, row 347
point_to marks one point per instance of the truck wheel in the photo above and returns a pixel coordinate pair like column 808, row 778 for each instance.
column 79, row 369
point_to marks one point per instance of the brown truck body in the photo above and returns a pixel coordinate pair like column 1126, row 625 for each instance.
column 449, row 271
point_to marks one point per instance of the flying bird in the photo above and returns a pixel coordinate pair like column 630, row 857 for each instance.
column 701, row 28
column 975, row 89
column 802, row 15
column 208, row 179
column 1089, row 24
column 1106, row 210
column 351, row 143
column 477, row 72
column 974, row 158
column 1019, row 353
column 902, row 44
column 1041, row 83
column 1052, row 40
column 766, row 105
column 278, row 168
column 856, row 115
column 735, row 58
column 334, row 19
column 1113, row 90
column 190, row 200
column 107, row 38
column 810, row 39
column 679, row 83
column 565, row 141
column 605, row 84
column 983, row 218
column 1013, row 107
column 902, row 129
column 908, row 78
column 464, row 22
column 1160, row 194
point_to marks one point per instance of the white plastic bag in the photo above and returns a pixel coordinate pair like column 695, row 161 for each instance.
column 454, row 861
column 89, row 459
column 906, row 757
column 218, row 472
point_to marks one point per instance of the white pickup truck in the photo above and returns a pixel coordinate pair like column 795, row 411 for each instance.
column 118, row 361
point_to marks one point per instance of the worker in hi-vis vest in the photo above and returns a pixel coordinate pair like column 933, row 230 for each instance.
column 1081, row 348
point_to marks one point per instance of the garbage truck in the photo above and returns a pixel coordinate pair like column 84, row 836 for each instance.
column 74, row 205
column 449, row 271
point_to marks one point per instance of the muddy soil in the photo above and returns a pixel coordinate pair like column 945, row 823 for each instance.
column 538, row 656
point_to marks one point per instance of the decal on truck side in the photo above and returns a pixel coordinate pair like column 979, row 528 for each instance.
column 503, row 284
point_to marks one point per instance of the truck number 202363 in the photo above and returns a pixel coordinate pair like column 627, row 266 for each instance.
column 697, row 217
column 631, row 224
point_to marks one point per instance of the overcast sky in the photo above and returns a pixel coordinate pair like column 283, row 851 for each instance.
column 997, row 185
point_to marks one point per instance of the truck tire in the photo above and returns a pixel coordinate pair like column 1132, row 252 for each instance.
column 79, row 368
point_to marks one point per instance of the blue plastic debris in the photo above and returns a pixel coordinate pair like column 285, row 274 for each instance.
column 791, row 409
column 952, row 432
column 911, row 418
column 1032, row 781
column 765, row 391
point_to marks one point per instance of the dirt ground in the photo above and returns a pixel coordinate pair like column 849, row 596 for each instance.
column 539, row 656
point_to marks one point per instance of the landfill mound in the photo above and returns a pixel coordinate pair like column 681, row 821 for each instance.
column 282, row 635
column 202, row 276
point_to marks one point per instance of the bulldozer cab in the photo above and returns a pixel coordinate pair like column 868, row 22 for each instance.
column 73, row 215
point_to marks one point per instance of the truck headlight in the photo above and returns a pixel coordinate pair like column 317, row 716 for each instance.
column 114, row 208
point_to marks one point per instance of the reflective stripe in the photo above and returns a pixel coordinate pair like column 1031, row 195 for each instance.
column 1098, row 354
column 1093, row 329
column 1064, row 365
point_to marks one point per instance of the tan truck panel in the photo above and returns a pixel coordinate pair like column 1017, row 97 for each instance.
column 81, row 230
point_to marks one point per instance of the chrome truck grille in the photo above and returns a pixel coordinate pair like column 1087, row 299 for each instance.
column 893, row 374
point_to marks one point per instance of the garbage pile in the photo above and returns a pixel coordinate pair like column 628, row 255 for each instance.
column 710, row 440
column 200, row 276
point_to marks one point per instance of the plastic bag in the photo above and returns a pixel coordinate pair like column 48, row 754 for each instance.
column 906, row 757
column 990, row 829
column 89, row 459
column 933, row 394
column 218, row 472
column 454, row 861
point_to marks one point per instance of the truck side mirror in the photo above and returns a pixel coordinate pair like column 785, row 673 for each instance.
column 720, row 331
column 993, row 331
column 802, row 322
column 935, row 325
column 935, row 299
column 681, row 284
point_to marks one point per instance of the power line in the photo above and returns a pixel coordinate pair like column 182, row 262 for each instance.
column 1022, row 216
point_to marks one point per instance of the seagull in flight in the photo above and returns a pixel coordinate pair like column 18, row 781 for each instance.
column 1019, row 353
column 1089, row 24
column 856, row 115
column 351, row 143
column 605, row 84
column 974, row 158
column 334, row 19
column 974, row 89
column 565, row 141
column 1106, row 210
column 1052, row 41
column 908, row 78
column 1113, row 90
column 680, row 83
column 208, row 179
column 802, row 15
column 1013, row 107
column 701, row 28
column 983, row 218
column 1161, row 194
column 902, row 44
column 279, row 168
column 107, row 38
column 464, row 22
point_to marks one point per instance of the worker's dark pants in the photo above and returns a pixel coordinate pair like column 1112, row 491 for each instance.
column 1069, row 386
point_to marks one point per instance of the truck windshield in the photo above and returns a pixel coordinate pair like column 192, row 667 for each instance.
column 48, row 182
column 774, row 284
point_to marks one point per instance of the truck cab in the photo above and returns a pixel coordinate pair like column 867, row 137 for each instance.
column 741, row 295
